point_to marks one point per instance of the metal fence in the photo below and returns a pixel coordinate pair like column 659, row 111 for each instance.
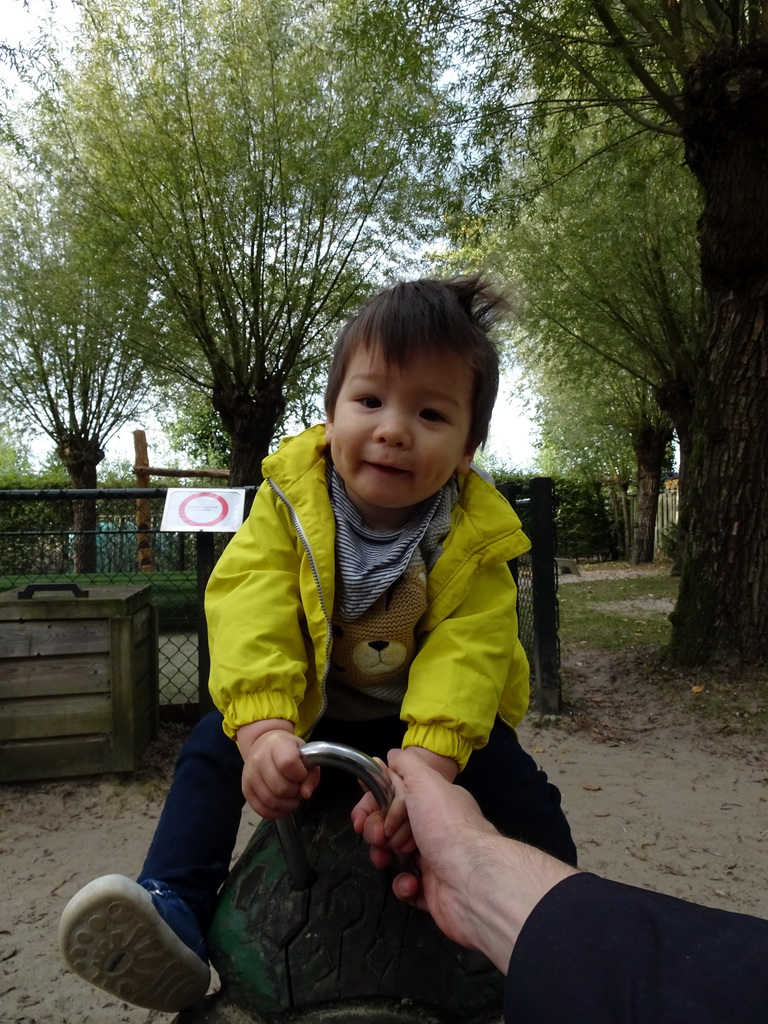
column 536, row 575
column 39, row 543
column 123, row 545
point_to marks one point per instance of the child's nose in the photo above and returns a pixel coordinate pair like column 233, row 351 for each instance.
column 393, row 429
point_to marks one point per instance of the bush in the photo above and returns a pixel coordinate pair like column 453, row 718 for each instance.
column 582, row 522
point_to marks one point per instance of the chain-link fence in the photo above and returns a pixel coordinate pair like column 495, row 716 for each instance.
column 122, row 544
column 113, row 537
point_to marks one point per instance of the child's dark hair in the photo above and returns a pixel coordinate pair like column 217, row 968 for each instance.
column 431, row 315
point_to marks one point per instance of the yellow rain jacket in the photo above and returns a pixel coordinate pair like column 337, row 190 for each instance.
column 270, row 598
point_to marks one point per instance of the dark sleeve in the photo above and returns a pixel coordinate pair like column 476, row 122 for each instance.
column 601, row 952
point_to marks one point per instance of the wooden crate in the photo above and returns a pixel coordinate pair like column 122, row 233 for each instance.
column 78, row 682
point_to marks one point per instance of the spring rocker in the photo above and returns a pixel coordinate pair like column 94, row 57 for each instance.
column 307, row 930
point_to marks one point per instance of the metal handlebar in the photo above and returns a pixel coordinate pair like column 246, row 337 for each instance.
column 333, row 755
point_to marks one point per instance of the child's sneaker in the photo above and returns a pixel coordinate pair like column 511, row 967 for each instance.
column 139, row 942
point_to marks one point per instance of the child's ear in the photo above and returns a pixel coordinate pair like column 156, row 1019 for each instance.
column 328, row 427
column 466, row 459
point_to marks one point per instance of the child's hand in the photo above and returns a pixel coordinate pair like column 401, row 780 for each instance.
column 275, row 779
column 391, row 834
column 385, row 834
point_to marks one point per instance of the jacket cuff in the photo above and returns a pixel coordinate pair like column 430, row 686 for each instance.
column 440, row 740
column 250, row 707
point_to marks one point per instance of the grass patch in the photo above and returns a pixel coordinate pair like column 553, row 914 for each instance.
column 622, row 614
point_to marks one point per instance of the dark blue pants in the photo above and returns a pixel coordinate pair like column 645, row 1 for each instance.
column 192, row 846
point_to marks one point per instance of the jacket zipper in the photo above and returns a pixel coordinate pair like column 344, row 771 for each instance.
column 316, row 577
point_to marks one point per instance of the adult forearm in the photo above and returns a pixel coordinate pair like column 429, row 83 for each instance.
column 507, row 881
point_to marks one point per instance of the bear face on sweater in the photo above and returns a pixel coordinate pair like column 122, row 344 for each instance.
column 380, row 645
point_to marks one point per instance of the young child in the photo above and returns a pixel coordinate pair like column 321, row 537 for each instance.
column 365, row 600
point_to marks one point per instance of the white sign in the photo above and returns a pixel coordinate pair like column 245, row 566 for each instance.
column 191, row 510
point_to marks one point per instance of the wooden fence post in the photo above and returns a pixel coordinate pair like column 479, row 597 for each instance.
column 144, row 550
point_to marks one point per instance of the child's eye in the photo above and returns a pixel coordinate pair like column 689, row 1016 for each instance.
column 369, row 402
column 431, row 414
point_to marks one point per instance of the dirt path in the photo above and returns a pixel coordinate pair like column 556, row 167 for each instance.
column 653, row 798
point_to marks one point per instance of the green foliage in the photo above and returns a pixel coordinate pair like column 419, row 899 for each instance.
column 17, row 468
column 30, row 521
column 583, row 526
column 543, row 76
column 597, row 228
column 194, row 430
column 582, row 523
column 67, row 320
column 116, row 473
column 612, row 318
column 500, row 471
column 622, row 63
column 585, row 427
column 15, row 453
column 257, row 166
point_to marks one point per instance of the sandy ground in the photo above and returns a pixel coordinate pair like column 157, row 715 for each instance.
column 654, row 797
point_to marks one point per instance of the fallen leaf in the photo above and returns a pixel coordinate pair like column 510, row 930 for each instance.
column 697, row 689
column 590, row 788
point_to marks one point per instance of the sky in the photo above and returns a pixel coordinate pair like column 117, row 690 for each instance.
column 512, row 431
column 20, row 23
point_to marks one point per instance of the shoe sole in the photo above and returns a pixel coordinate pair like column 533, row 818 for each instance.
column 111, row 935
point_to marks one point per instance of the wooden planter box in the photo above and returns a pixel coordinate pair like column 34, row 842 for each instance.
column 78, row 681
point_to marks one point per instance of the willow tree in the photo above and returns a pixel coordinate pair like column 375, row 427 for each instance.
column 697, row 72
column 68, row 328
column 598, row 422
column 606, row 267
column 259, row 166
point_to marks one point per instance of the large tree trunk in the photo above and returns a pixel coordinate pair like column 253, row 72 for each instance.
column 722, row 610
column 80, row 457
column 650, row 447
column 250, row 420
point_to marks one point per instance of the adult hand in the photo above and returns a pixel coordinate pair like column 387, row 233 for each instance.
column 478, row 886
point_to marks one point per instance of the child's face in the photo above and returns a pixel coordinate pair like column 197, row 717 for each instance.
column 397, row 435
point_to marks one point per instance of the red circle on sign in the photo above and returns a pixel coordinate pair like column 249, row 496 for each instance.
column 217, row 517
